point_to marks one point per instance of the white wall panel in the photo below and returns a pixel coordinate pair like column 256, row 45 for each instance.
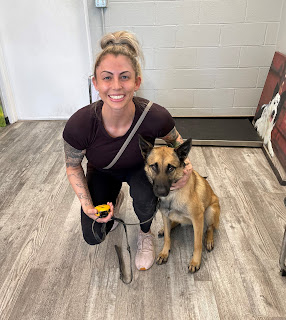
column 197, row 35
column 46, row 52
column 218, row 57
column 223, row 11
column 266, row 10
column 175, row 58
column 243, row 34
column 256, row 56
column 236, row 78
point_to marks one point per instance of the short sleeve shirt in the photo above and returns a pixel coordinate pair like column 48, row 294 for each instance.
column 85, row 131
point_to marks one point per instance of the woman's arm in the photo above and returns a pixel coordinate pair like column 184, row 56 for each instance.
column 174, row 139
column 77, row 179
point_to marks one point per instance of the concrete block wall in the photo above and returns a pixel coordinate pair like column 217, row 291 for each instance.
column 203, row 58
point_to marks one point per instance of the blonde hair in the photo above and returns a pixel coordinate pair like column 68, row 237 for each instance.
column 124, row 43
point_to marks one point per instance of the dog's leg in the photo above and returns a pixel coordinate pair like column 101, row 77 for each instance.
column 198, row 224
column 270, row 149
column 212, row 221
column 174, row 224
column 164, row 254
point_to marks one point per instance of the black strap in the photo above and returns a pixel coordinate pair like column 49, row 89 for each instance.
column 129, row 138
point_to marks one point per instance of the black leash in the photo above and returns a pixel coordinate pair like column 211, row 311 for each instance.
column 117, row 248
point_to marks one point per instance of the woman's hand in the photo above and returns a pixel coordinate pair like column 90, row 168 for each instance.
column 182, row 182
column 92, row 214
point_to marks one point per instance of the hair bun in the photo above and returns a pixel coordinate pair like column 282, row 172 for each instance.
column 122, row 38
column 121, row 43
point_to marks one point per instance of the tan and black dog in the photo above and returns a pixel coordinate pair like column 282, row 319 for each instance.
column 194, row 204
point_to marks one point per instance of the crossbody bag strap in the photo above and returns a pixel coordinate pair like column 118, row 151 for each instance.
column 125, row 144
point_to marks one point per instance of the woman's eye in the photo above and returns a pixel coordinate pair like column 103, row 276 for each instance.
column 125, row 77
column 107, row 78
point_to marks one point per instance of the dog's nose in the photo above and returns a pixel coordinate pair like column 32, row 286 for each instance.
column 161, row 191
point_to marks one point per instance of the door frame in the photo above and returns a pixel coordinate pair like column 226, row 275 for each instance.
column 7, row 96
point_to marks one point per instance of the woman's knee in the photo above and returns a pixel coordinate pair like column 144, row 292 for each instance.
column 92, row 240
column 93, row 233
column 141, row 188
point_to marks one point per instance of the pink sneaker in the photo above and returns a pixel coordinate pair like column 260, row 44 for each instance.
column 145, row 255
column 119, row 201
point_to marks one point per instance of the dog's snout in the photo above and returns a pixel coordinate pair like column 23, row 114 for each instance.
column 161, row 187
column 161, row 191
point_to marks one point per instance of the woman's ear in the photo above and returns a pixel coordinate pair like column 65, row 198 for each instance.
column 137, row 83
column 94, row 82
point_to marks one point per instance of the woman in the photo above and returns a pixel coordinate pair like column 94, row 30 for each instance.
column 99, row 130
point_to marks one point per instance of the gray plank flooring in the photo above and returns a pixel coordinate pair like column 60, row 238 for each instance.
column 47, row 271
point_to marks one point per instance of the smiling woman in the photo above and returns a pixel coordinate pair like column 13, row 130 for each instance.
column 98, row 132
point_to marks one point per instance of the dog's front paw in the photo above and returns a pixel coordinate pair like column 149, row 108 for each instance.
column 194, row 266
column 162, row 258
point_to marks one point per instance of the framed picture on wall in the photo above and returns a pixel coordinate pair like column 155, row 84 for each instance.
column 270, row 117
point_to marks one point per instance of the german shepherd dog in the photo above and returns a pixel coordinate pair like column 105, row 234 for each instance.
column 194, row 204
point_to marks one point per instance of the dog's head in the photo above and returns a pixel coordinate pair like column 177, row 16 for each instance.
column 273, row 106
column 164, row 165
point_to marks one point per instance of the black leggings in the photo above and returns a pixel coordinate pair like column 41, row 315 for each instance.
column 105, row 186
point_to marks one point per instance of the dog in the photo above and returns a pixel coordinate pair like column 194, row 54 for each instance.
column 194, row 204
column 266, row 120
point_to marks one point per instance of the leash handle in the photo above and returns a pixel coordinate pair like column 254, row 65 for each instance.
column 120, row 258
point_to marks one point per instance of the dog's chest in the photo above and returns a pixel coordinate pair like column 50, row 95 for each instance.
column 174, row 210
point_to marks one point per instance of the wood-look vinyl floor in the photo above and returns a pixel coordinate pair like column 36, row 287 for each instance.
column 47, row 271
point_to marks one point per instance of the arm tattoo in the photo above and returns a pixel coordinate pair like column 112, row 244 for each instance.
column 173, row 138
column 73, row 156
column 79, row 183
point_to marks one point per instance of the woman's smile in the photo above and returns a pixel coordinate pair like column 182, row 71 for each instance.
column 117, row 98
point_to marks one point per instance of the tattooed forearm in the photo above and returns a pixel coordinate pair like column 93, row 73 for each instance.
column 73, row 156
column 79, row 184
column 86, row 199
column 76, row 175
column 173, row 138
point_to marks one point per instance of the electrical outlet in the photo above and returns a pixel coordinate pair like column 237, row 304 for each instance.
column 101, row 3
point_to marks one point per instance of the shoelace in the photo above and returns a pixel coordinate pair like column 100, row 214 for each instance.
column 145, row 242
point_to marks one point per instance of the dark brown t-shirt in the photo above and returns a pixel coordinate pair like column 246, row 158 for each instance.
column 85, row 131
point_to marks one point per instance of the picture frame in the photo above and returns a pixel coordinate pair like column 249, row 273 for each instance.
column 270, row 116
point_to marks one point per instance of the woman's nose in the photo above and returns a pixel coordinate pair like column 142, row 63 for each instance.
column 116, row 83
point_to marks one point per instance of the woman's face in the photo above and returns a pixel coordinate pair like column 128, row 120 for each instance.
column 115, row 81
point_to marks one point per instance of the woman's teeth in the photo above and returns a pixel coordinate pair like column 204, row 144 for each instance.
column 117, row 97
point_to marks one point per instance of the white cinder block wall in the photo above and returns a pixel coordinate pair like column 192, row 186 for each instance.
column 203, row 58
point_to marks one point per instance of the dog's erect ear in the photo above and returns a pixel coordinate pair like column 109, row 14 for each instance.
column 183, row 150
column 145, row 147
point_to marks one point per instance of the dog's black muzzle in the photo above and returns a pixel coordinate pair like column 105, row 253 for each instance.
column 162, row 189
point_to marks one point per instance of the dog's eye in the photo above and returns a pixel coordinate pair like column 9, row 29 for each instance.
column 170, row 168
column 154, row 167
